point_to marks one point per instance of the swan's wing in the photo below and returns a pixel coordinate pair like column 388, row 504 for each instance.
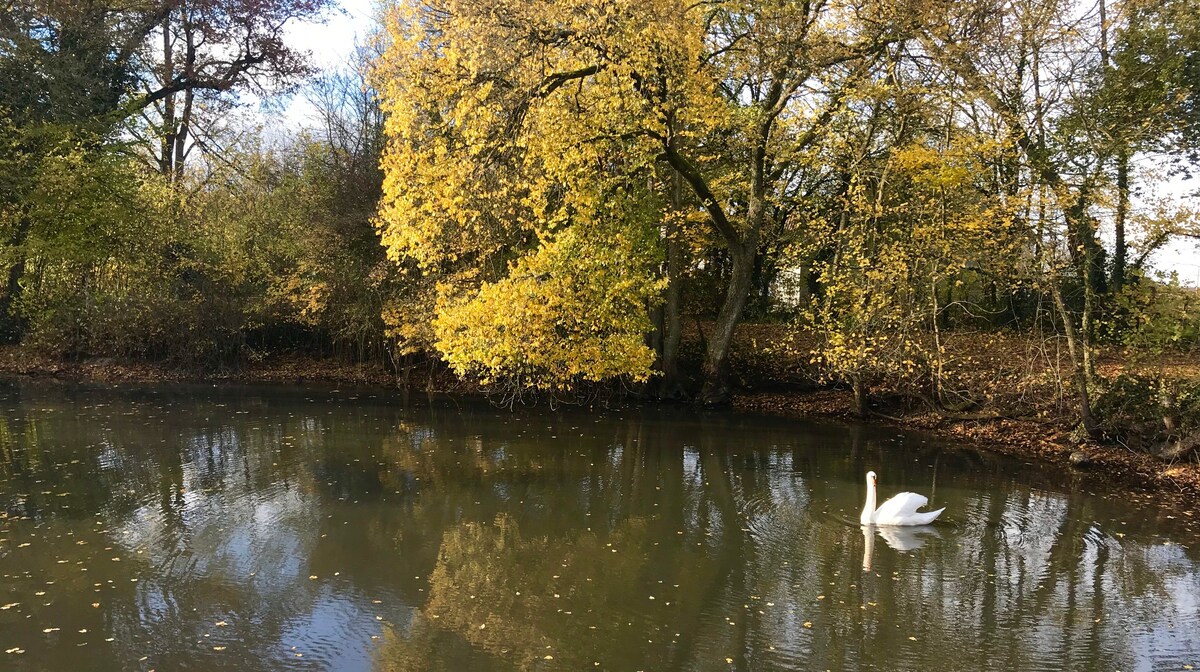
column 903, row 504
column 902, row 510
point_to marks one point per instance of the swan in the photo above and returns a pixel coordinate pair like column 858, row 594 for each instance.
column 899, row 510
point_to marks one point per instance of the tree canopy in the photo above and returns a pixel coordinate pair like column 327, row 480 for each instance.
column 592, row 195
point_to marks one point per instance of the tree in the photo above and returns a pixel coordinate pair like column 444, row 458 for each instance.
column 199, row 53
column 68, row 76
column 505, row 119
column 911, row 213
column 65, row 68
column 1023, row 63
column 1071, row 106
column 1148, row 100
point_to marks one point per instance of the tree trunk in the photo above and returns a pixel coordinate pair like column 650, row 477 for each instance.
column 1086, row 332
column 181, row 136
column 167, row 150
column 1119, row 250
column 185, row 119
column 860, row 395
column 672, row 386
column 1079, row 366
column 12, row 326
column 1086, row 252
column 716, row 360
column 938, row 351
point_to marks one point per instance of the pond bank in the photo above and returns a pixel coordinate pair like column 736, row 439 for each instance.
column 1125, row 471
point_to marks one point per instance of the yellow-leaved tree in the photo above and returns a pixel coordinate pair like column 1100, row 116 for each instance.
column 914, row 215
column 523, row 134
column 537, row 226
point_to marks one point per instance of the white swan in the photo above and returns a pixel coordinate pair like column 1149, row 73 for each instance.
column 899, row 510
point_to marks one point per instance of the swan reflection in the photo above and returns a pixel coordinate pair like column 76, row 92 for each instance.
column 903, row 539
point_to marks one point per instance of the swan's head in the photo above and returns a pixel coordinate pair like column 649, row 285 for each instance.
column 870, row 478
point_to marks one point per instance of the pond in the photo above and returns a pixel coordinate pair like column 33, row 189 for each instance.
column 178, row 527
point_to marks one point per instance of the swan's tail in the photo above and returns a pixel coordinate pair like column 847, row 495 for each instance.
column 926, row 518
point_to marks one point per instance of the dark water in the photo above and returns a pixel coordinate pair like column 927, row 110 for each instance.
column 195, row 528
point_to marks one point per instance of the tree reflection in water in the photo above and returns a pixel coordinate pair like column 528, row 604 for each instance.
column 263, row 528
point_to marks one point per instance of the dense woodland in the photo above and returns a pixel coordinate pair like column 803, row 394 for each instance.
column 951, row 203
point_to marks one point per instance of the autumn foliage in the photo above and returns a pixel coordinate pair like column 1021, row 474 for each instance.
column 587, row 196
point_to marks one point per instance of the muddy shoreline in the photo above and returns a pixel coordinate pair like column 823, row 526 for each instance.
column 1122, row 471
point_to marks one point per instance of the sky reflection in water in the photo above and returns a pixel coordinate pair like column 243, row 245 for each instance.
column 196, row 528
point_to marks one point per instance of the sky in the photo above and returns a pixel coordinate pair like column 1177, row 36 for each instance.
column 331, row 43
column 348, row 25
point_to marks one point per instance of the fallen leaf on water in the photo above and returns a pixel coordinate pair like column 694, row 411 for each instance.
column 808, row 624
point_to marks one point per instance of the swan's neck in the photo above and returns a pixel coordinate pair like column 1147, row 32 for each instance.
column 868, row 508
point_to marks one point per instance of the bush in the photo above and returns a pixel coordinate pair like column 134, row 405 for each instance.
column 1144, row 412
column 1154, row 317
